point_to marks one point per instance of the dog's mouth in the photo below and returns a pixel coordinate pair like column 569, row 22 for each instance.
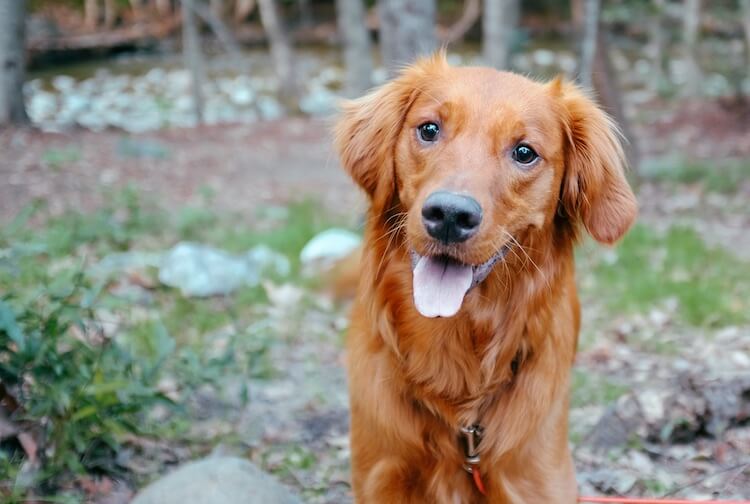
column 440, row 282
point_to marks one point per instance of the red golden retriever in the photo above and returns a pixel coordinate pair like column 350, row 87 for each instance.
column 466, row 320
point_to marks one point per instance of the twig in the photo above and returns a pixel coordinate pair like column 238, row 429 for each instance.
column 704, row 478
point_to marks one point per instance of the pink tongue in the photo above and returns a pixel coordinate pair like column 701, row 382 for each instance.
column 440, row 286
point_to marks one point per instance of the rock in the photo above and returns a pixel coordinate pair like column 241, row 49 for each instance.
column 543, row 57
column 268, row 261
column 41, row 106
column 63, row 83
column 242, row 96
column 269, row 108
column 318, row 102
column 329, row 246
column 125, row 262
column 200, row 270
column 220, row 480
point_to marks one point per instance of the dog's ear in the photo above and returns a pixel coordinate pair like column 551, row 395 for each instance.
column 367, row 130
column 595, row 190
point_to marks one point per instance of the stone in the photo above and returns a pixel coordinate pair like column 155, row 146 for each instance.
column 219, row 480
column 543, row 57
column 201, row 270
column 327, row 247
column 318, row 102
column 269, row 108
column 268, row 261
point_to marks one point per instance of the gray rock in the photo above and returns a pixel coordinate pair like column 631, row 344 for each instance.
column 318, row 102
column 329, row 246
column 543, row 57
column 269, row 108
column 224, row 480
column 200, row 270
column 268, row 261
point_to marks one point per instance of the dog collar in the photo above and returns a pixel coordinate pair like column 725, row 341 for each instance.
column 472, row 436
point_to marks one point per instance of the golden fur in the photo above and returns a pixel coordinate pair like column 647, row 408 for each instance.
column 505, row 358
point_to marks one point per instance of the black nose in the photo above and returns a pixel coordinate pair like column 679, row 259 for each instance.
column 451, row 217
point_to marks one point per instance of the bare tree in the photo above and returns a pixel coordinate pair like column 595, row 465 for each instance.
column 191, row 48
column 407, row 30
column 91, row 14
column 499, row 22
column 601, row 75
column 12, row 64
column 222, row 32
column 110, row 13
column 281, row 49
column 242, row 9
column 656, row 42
column 745, row 4
column 217, row 8
column 589, row 41
column 163, row 7
column 137, row 7
column 357, row 48
column 469, row 16
column 305, row 13
column 690, row 26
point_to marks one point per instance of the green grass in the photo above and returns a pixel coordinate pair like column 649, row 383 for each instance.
column 89, row 395
column 58, row 158
column 723, row 176
column 711, row 287
column 592, row 389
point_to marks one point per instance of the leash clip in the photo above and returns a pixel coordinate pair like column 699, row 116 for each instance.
column 472, row 437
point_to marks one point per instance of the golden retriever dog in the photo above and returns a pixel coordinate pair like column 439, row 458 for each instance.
column 466, row 319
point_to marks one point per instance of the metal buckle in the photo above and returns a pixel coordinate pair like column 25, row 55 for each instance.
column 472, row 436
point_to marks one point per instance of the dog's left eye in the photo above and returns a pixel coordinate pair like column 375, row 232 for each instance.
column 428, row 132
column 525, row 154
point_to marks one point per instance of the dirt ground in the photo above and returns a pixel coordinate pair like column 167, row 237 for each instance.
column 245, row 166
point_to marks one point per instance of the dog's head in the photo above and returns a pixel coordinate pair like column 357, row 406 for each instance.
column 476, row 158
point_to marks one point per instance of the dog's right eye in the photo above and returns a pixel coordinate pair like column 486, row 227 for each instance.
column 428, row 132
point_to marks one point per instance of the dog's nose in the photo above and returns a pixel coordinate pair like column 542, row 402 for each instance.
column 451, row 217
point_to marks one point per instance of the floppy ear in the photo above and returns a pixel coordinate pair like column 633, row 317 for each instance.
column 595, row 189
column 366, row 133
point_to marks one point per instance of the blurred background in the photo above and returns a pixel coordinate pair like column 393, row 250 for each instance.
column 171, row 213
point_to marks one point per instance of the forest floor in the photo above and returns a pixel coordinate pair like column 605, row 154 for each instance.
column 665, row 315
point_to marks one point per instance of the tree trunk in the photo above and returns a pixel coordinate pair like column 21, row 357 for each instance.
column 499, row 22
column 407, row 30
column 601, row 75
column 223, row 34
column 163, row 7
column 12, row 64
column 217, row 8
column 690, row 26
column 589, row 41
column 305, row 13
column 281, row 50
column 656, row 43
column 137, row 7
column 604, row 80
column 243, row 9
column 745, row 5
column 91, row 14
column 110, row 13
column 457, row 31
column 356, row 41
column 191, row 49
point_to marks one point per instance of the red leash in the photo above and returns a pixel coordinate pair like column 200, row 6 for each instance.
column 643, row 500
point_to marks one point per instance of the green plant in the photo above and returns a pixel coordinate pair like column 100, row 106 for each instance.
column 710, row 285
column 78, row 390
column 723, row 176
column 588, row 389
